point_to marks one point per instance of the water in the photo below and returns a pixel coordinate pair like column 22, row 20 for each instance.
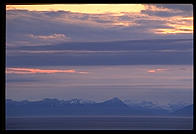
column 99, row 123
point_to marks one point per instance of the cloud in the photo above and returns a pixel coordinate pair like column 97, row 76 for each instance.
column 46, row 39
column 83, row 72
column 132, row 81
column 37, row 40
column 184, row 8
column 81, row 8
column 151, row 71
column 157, row 70
column 33, row 27
column 103, row 53
column 49, row 37
column 177, row 17
column 168, row 10
column 36, row 71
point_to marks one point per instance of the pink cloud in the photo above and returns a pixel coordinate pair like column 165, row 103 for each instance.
column 156, row 70
column 36, row 71
column 83, row 72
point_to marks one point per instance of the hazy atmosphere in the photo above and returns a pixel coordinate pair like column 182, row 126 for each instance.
column 96, row 52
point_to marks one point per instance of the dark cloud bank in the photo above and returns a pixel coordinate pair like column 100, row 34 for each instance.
column 134, row 52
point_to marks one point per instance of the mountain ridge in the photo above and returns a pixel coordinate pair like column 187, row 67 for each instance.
column 113, row 106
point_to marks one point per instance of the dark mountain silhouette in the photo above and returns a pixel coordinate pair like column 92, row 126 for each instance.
column 55, row 107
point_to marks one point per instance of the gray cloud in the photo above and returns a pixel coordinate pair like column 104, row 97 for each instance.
column 160, row 13
column 104, row 53
column 173, row 10
column 182, row 7
column 95, row 29
column 20, row 23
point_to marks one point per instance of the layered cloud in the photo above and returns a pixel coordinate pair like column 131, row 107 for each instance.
column 34, row 71
column 103, row 53
column 89, row 34
column 13, row 70
column 133, row 81
column 168, row 10
column 33, row 24
column 91, row 43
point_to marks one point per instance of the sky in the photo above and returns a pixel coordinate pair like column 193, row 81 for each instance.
column 100, row 51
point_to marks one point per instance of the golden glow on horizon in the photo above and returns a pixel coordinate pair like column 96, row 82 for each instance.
column 82, row 8
column 111, row 13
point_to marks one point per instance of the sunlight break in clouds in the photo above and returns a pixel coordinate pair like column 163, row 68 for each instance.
column 81, row 8
column 36, row 71
column 178, row 24
column 53, row 24
column 156, row 70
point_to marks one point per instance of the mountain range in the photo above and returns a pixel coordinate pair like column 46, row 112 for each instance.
column 114, row 106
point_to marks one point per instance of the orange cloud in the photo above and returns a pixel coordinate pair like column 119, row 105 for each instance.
column 156, row 70
column 178, row 24
column 174, row 31
column 151, row 71
column 36, row 71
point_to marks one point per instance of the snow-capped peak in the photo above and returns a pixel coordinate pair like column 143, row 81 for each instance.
column 80, row 101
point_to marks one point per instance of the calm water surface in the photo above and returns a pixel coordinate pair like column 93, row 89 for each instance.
column 99, row 123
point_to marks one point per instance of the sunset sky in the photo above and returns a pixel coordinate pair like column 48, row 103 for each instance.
column 99, row 51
